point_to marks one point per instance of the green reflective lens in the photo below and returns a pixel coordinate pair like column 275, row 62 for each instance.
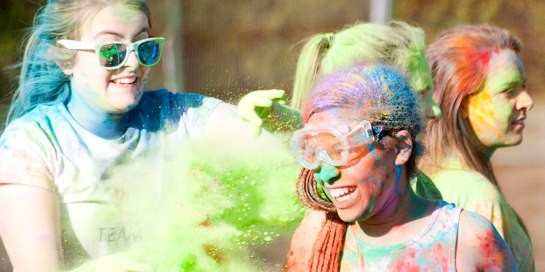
column 112, row 55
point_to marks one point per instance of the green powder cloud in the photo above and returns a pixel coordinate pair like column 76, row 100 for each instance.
column 203, row 207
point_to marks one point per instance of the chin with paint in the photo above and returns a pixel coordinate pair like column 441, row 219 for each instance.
column 358, row 151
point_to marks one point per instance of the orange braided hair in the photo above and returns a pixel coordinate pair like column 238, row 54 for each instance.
column 327, row 249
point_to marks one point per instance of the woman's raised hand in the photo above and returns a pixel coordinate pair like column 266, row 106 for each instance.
column 256, row 106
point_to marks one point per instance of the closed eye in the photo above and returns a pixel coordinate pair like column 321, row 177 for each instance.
column 511, row 91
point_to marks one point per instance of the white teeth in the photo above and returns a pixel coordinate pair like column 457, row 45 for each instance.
column 125, row 81
column 342, row 194
column 338, row 192
column 344, row 197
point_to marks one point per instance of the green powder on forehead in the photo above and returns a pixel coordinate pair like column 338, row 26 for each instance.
column 203, row 207
column 129, row 14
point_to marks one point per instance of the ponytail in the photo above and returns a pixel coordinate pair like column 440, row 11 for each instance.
column 308, row 65
column 41, row 81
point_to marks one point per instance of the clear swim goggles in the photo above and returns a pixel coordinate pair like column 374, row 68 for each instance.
column 310, row 146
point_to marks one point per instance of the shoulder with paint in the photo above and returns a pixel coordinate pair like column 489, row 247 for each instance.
column 480, row 246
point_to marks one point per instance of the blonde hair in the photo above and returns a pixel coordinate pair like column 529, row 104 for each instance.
column 459, row 60
column 397, row 44
column 41, row 80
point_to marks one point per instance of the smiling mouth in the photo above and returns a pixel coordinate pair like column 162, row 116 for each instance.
column 342, row 194
column 125, row 81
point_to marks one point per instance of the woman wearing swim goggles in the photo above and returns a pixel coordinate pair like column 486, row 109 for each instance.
column 113, row 55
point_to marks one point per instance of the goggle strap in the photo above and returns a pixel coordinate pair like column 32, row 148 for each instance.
column 379, row 132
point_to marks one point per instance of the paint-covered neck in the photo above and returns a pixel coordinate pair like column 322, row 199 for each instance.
column 395, row 229
column 99, row 122
column 391, row 208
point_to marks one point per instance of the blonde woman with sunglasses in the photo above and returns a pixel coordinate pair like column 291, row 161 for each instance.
column 80, row 109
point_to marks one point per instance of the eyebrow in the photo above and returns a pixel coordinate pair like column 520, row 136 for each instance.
column 117, row 34
column 516, row 80
column 509, row 83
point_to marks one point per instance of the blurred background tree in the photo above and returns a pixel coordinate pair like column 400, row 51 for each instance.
column 16, row 16
column 523, row 18
column 225, row 49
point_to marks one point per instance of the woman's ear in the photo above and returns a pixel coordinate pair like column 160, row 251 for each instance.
column 66, row 67
column 64, row 58
column 404, row 147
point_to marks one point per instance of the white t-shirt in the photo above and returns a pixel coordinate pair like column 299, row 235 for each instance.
column 47, row 148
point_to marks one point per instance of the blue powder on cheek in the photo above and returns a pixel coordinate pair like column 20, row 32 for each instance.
column 371, row 148
column 398, row 176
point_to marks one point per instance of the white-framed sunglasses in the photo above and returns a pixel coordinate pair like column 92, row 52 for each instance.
column 113, row 55
column 310, row 145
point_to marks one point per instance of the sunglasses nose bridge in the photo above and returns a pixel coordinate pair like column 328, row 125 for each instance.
column 131, row 48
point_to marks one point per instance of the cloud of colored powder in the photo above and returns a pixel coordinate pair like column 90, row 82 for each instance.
column 203, row 207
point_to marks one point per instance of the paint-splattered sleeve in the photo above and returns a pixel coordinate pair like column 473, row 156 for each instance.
column 23, row 156
column 489, row 208
column 473, row 192
column 193, row 111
